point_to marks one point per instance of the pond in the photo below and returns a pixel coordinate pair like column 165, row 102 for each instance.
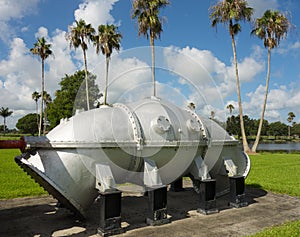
column 287, row 146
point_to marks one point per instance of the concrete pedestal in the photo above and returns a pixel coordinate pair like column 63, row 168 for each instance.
column 157, row 212
column 177, row 186
column 110, row 214
column 207, row 197
column 237, row 192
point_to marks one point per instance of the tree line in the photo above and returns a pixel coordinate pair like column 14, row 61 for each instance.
column 271, row 28
column 274, row 129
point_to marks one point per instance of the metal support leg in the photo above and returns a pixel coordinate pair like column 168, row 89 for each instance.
column 110, row 213
column 177, row 186
column 237, row 192
column 208, row 197
column 157, row 213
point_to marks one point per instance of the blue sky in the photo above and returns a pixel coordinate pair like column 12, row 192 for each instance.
column 194, row 61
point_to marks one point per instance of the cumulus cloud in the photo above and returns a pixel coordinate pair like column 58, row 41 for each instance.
column 211, row 81
column 19, row 79
column 20, row 73
column 280, row 99
column 249, row 67
column 128, row 76
column 14, row 10
column 95, row 12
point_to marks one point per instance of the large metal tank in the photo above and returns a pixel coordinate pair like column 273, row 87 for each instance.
column 151, row 142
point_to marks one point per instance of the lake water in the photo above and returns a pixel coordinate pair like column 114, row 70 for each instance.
column 288, row 146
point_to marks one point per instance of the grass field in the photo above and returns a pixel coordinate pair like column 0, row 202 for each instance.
column 14, row 182
column 279, row 173
column 289, row 229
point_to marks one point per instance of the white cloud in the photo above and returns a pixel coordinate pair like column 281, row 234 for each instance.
column 128, row 77
column 211, row 80
column 60, row 63
column 18, row 82
column 281, row 100
column 20, row 73
column 42, row 32
column 95, row 12
column 288, row 48
column 296, row 45
column 249, row 68
column 14, row 10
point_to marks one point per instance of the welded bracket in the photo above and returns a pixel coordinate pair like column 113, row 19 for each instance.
column 151, row 174
column 105, row 181
column 231, row 168
column 200, row 169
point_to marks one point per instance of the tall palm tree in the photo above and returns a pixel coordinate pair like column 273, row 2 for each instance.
column 47, row 99
column 80, row 35
column 231, row 12
column 290, row 120
column 271, row 28
column 212, row 114
column 42, row 49
column 107, row 39
column 5, row 112
column 191, row 106
column 230, row 107
column 36, row 96
column 150, row 24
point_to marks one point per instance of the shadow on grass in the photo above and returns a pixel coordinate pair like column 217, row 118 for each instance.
column 254, row 185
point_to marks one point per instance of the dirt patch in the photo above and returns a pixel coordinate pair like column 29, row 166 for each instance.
column 39, row 216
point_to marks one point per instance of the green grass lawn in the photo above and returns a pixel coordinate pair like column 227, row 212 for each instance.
column 279, row 173
column 289, row 229
column 14, row 182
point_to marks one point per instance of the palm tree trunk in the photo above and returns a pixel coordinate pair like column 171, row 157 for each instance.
column 86, row 81
column 42, row 95
column 153, row 64
column 37, row 116
column 245, row 143
column 106, row 81
column 254, row 147
column 4, row 125
column 45, row 120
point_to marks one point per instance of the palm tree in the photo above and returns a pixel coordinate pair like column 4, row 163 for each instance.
column 79, row 35
column 42, row 49
column 4, row 112
column 191, row 106
column 271, row 28
column 150, row 24
column 47, row 99
column 106, row 41
column 290, row 120
column 36, row 96
column 231, row 12
column 230, row 107
column 212, row 114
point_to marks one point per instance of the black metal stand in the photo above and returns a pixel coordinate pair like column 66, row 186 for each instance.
column 157, row 213
column 177, row 186
column 237, row 192
column 110, row 214
column 208, row 197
